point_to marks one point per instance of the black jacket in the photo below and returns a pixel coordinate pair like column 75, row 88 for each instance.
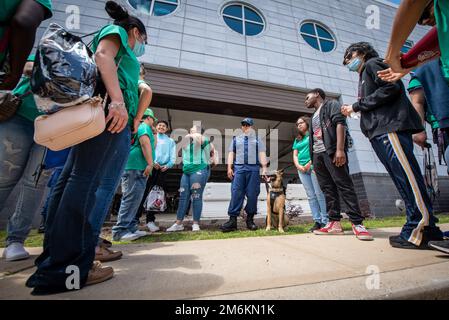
column 330, row 116
column 384, row 106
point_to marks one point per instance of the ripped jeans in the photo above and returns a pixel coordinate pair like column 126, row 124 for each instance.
column 192, row 187
column 19, row 159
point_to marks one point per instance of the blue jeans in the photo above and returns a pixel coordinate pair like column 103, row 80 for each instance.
column 245, row 183
column 51, row 184
column 106, row 190
column 192, row 188
column 19, row 158
column 395, row 151
column 69, row 240
column 315, row 196
column 133, row 188
column 446, row 157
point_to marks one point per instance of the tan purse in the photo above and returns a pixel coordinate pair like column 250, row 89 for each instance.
column 70, row 126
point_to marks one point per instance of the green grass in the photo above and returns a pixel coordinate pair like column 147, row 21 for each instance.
column 35, row 239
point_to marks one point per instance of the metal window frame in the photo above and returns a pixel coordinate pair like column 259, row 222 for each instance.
column 316, row 36
column 243, row 19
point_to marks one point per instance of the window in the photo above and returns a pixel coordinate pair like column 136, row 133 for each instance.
column 243, row 19
column 154, row 7
column 317, row 36
column 393, row 3
column 407, row 46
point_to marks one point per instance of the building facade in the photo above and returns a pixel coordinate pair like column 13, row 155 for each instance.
column 219, row 60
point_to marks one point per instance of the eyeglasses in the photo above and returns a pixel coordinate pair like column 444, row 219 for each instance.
column 245, row 125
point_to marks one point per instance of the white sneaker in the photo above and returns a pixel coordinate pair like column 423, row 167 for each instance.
column 175, row 227
column 196, row 227
column 152, row 227
column 141, row 233
column 130, row 237
column 15, row 251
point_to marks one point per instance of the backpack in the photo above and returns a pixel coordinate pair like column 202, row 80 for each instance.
column 64, row 72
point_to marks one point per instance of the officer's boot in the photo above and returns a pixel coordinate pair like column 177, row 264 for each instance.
column 250, row 222
column 230, row 225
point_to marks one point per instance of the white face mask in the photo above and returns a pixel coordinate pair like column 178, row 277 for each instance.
column 139, row 48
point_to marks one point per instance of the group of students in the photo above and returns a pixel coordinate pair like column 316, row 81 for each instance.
column 81, row 196
column 390, row 121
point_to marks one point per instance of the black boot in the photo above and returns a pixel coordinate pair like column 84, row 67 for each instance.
column 250, row 222
column 230, row 225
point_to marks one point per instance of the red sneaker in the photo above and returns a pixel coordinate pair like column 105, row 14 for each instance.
column 333, row 227
column 361, row 233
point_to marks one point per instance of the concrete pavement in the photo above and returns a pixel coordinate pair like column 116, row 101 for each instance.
column 285, row 267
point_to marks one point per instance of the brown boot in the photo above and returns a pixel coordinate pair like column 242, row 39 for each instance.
column 98, row 273
column 105, row 254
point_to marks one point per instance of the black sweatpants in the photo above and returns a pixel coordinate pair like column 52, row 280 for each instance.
column 334, row 180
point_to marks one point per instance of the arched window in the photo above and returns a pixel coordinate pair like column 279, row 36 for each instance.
column 154, row 7
column 317, row 36
column 243, row 19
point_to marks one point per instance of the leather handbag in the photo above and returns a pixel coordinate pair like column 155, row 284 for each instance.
column 70, row 126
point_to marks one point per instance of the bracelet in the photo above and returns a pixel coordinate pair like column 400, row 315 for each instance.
column 116, row 105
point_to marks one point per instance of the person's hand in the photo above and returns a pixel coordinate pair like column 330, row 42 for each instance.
column 148, row 170
column 156, row 166
column 394, row 61
column 136, row 124
column 389, row 75
column 307, row 167
column 164, row 168
column 420, row 139
column 339, row 158
column 346, row 110
column 230, row 174
column 118, row 115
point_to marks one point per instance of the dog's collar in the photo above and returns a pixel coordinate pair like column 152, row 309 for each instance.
column 277, row 190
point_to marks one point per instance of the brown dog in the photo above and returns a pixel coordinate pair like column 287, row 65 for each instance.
column 276, row 216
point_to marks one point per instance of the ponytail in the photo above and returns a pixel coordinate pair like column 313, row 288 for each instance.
column 123, row 19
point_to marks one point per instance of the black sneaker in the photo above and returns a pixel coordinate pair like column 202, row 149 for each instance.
column 230, row 225
column 442, row 246
column 250, row 223
column 316, row 226
column 399, row 242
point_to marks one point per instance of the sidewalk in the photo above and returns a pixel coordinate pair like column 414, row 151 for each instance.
column 302, row 266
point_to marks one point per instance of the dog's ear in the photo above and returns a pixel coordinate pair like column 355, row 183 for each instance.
column 281, row 171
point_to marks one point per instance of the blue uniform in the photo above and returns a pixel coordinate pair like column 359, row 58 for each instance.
column 246, row 180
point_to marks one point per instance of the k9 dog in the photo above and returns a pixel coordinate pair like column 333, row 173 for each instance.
column 276, row 216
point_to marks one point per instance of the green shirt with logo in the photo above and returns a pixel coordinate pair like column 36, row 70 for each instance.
column 195, row 157
column 136, row 159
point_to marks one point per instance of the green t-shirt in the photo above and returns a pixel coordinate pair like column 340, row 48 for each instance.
column 9, row 7
column 196, row 157
column 28, row 108
column 303, row 150
column 136, row 159
column 128, row 70
column 430, row 118
column 441, row 8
